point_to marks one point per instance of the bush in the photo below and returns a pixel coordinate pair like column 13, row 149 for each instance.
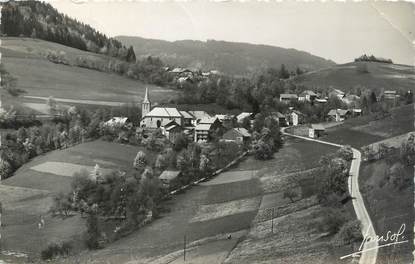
column 350, row 232
column 332, row 221
column 53, row 250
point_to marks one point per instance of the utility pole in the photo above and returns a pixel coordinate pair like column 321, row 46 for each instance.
column 184, row 248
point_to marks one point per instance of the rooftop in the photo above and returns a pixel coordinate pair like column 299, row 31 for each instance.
column 169, row 175
column 164, row 112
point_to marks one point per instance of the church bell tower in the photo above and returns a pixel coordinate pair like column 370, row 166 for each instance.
column 145, row 105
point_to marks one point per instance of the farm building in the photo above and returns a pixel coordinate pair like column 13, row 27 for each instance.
column 307, row 95
column 338, row 115
column 169, row 178
column 316, row 131
column 238, row 135
column 286, row 98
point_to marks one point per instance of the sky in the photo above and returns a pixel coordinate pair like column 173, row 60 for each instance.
column 339, row 31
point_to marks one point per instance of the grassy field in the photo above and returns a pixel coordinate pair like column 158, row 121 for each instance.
column 389, row 207
column 25, row 59
column 347, row 76
column 29, row 194
column 366, row 130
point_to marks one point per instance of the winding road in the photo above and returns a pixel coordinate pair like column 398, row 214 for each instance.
column 368, row 253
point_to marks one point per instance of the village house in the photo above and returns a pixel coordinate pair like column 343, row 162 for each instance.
column 187, row 118
column 390, row 95
column 296, row 118
column 287, row 98
column 356, row 112
column 170, row 178
column 351, row 99
column 281, row 119
column 307, row 95
column 316, row 130
column 338, row 115
column 205, row 128
column 226, row 120
column 243, row 115
column 171, row 131
column 337, row 93
column 238, row 135
column 198, row 115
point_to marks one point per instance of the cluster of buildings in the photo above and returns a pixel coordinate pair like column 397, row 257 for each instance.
column 198, row 126
column 184, row 75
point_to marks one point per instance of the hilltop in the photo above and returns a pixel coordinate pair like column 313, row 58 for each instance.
column 228, row 57
column 372, row 75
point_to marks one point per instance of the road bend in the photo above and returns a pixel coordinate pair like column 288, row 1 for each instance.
column 368, row 253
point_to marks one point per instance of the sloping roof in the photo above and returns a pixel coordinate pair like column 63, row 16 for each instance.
column 243, row 115
column 199, row 114
column 164, row 112
column 171, row 125
column 317, row 127
column 332, row 112
column 296, row 112
column 204, row 127
column 341, row 112
column 242, row 131
column 308, row 92
column 288, row 96
column 208, row 120
column 169, row 175
column 186, row 115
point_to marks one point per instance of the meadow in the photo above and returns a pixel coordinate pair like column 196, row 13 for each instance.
column 30, row 192
column 25, row 59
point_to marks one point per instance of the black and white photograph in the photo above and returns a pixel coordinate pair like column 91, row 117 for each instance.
column 207, row 132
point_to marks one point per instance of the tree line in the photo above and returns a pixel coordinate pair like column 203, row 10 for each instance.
column 40, row 20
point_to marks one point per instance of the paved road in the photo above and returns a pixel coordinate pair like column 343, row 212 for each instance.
column 369, row 251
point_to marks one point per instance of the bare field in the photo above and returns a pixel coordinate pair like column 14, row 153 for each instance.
column 212, row 211
column 64, row 168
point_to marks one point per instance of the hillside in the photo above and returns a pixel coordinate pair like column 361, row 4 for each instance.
column 36, row 19
column 25, row 59
column 228, row 57
column 375, row 76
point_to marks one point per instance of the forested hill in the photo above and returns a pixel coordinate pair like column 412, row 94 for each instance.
column 40, row 20
column 227, row 57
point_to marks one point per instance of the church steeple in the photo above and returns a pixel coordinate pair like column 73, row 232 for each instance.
column 146, row 104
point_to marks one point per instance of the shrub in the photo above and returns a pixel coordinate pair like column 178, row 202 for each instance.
column 332, row 221
column 350, row 232
column 53, row 250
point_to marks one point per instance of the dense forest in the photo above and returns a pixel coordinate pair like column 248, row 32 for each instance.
column 40, row 20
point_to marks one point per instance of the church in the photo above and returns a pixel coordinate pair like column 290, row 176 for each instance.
column 158, row 116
